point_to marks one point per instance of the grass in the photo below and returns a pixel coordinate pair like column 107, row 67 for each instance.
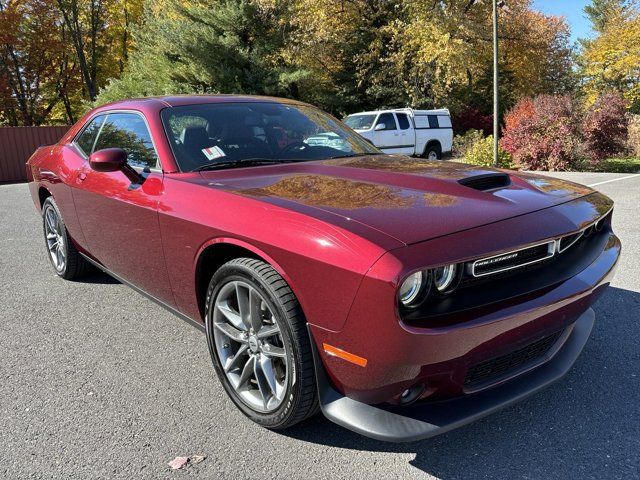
column 610, row 165
column 616, row 165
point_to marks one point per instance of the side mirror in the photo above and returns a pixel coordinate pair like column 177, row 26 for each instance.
column 108, row 160
column 112, row 160
column 380, row 126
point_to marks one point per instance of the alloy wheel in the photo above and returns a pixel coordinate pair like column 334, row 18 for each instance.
column 249, row 346
column 55, row 238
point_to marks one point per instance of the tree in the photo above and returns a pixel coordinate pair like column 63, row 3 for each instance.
column 209, row 46
column 599, row 12
column 85, row 25
column 612, row 60
column 35, row 70
column 99, row 33
column 441, row 52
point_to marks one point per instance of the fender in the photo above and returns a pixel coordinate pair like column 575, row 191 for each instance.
column 253, row 249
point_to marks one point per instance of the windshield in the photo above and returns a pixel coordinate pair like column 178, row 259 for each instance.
column 360, row 122
column 231, row 134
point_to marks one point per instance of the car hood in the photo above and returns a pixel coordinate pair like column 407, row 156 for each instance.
column 409, row 199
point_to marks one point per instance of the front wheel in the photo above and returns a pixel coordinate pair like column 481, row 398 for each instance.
column 259, row 344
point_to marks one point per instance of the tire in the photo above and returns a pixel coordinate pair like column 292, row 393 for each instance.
column 262, row 290
column 61, row 251
column 433, row 152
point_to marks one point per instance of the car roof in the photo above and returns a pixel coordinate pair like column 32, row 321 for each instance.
column 438, row 111
column 181, row 100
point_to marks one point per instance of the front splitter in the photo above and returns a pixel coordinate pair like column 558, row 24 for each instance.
column 420, row 421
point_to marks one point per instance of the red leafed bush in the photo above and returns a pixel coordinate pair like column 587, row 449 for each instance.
column 472, row 118
column 606, row 127
column 542, row 134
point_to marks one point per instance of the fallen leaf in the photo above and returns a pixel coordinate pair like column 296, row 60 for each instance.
column 178, row 462
column 197, row 458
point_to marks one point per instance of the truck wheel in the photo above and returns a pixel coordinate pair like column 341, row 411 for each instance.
column 433, row 152
column 259, row 344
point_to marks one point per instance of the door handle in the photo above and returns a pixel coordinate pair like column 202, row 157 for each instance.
column 81, row 176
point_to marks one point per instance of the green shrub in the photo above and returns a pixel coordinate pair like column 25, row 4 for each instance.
column 462, row 143
column 481, row 153
column 612, row 165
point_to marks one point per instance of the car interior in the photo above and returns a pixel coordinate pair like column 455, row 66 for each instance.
column 248, row 132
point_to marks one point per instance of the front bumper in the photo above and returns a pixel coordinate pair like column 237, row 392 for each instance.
column 400, row 356
column 419, row 421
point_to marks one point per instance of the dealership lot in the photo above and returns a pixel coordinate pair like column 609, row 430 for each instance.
column 99, row 382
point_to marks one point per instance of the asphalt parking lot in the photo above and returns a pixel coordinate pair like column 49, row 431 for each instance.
column 98, row 382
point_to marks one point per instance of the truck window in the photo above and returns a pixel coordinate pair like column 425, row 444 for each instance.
column 433, row 121
column 388, row 120
column 444, row 121
column 360, row 122
column 403, row 120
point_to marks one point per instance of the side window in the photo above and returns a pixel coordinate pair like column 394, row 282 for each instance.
column 403, row 120
column 433, row 121
column 444, row 121
column 88, row 136
column 129, row 132
column 388, row 120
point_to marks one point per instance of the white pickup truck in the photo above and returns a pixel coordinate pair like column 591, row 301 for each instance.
column 425, row 133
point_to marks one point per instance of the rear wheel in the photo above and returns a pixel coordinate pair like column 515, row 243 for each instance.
column 259, row 344
column 433, row 152
column 63, row 255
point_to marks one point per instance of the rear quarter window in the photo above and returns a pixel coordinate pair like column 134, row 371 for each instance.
column 87, row 138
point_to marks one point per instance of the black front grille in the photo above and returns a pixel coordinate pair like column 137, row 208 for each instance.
column 491, row 370
column 511, row 260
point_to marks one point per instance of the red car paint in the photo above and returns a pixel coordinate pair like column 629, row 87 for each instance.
column 343, row 233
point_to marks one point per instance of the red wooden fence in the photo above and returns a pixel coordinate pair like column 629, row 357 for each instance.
column 18, row 143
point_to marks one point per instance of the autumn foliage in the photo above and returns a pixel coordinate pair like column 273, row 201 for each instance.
column 543, row 134
column 605, row 127
column 472, row 118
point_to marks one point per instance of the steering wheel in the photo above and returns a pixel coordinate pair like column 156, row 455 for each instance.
column 293, row 146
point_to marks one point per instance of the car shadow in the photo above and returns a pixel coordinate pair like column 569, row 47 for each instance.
column 98, row 277
column 584, row 426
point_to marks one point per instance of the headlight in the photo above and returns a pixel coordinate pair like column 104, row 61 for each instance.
column 444, row 277
column 411, row 291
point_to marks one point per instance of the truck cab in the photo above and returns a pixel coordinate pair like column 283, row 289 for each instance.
column 424, row 133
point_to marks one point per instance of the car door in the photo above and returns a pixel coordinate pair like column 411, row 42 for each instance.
column 119, row 219
column 407, row 135
column 386, row 135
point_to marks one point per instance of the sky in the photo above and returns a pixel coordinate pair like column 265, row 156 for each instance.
column 572, row 11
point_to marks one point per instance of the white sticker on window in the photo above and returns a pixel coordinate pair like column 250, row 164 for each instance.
column 213, row 152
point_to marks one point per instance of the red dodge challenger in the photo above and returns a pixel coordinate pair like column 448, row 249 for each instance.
column 400, row 297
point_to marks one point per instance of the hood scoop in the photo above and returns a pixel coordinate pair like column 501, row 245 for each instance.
column 487, row 181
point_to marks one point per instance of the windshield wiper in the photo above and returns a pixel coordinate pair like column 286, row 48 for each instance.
column 245, row 162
